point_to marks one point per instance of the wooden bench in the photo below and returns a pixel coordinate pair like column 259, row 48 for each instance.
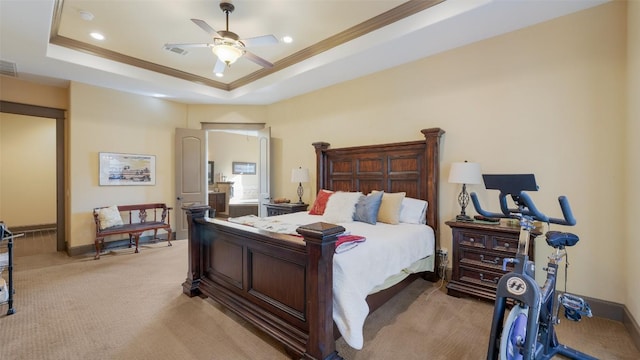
column 160, row 219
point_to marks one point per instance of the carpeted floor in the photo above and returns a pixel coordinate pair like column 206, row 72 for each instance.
column 131, row 306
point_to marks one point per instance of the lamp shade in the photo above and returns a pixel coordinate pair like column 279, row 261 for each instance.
column 465, row 173
column 227, row 53
column 300, row 175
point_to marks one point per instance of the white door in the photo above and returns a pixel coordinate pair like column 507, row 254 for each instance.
column 264, row 139
column 191, row 175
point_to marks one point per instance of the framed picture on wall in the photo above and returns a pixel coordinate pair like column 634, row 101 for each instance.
column 243, row 168
column 127, row 169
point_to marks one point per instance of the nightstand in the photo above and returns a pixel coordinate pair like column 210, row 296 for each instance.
column 477, row 254
column 285, row 208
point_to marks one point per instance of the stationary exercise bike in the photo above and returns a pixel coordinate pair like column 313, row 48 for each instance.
column 528, row 332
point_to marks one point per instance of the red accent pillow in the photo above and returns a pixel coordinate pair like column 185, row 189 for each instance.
column 321, row 202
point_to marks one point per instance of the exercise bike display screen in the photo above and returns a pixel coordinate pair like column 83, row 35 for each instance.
column 511, row 183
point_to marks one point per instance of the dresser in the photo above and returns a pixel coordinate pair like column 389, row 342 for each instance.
column 285, row 208
column 218, row 202
column 477, row 253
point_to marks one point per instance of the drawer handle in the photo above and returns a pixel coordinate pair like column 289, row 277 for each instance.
column 506, row 245
column 472, row 240
column 493, row 281
column 495, row 261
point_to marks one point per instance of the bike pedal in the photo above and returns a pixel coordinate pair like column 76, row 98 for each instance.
column 574, row 307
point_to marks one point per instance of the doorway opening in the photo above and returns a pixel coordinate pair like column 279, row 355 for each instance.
column 47, row 232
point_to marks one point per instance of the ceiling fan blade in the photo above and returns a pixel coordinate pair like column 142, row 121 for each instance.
column 219, row 68
column 260, row 40
column 258, row 60
column 189, row 45
column 204, row 26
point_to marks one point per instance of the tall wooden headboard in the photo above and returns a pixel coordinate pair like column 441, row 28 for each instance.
column 410, row 167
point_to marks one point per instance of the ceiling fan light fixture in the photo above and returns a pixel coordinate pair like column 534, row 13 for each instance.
column 227, row 53
column 227, row 45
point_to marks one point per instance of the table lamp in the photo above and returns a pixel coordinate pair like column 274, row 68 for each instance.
column 464, row 173
column 299, row 176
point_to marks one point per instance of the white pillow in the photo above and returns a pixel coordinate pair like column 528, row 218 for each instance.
column 413, row 211
column 109, row 216
column 341, row 206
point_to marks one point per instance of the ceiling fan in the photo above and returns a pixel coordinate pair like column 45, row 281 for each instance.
column 227, row 45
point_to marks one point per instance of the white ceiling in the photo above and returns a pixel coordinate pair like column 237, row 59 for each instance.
column 42, row 38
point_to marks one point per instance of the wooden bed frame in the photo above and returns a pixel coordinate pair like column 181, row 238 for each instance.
column 282, row 284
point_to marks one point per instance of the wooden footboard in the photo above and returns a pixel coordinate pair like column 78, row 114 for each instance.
column 282, row 284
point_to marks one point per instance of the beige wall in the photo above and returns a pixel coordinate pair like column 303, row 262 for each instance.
column 26, row 92
column 27, row 170
column 102, row 120
column 225, row 114
column 631, row 266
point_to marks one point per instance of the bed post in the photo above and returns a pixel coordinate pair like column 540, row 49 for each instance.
column 194, row 273
column 320, row 239
column 321, row 181
column 432, row 155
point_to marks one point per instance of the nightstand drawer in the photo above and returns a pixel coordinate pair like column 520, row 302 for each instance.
column 504, row 244
column 489, row 241
column 480, row 277
column 471, row 258
column 473, row 239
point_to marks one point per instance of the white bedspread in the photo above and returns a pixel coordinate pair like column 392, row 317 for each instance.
column 387, row 251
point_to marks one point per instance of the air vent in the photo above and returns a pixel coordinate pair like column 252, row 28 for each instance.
column 8, row 68
column 176, row 50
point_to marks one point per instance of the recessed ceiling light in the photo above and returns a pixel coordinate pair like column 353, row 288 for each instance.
column 86, row 15
column 97, row 35
column 219, row 74
column 287, row 39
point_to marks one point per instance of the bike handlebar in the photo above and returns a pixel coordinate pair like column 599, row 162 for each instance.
column 528, row 208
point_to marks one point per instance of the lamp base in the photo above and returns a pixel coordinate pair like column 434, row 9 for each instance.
column 464, row 218
column 300, row 192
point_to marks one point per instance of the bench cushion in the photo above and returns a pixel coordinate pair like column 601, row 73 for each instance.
column 109, row 217
column 136, row 227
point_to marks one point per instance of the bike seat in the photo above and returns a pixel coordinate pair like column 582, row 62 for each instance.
column 559, row 239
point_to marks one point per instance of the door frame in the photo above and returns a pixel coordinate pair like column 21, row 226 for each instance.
column 59, row 116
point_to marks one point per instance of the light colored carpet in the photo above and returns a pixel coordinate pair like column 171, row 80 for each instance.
column 131, row 306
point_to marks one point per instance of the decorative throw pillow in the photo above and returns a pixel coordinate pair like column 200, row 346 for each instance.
column 321, row 202
column 413, row 211
column 389, row 211
column 367, row 208
column 109, row 216
column 341, row 206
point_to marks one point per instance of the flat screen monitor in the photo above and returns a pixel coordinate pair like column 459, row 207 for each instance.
column 510, row 183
